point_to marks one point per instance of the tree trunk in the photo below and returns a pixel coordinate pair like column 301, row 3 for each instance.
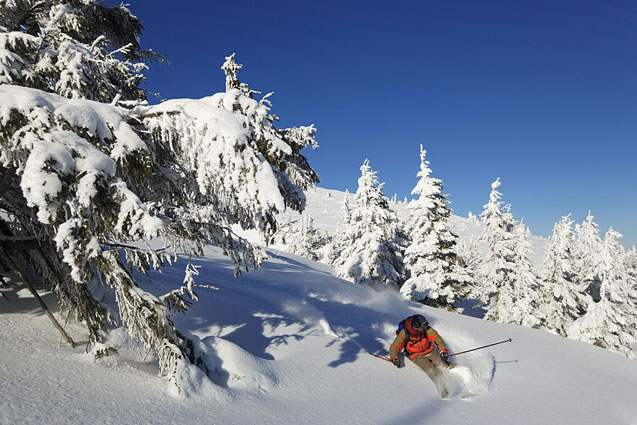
column 28, row 284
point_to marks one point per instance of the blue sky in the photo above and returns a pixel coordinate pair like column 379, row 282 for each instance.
column 542, row 94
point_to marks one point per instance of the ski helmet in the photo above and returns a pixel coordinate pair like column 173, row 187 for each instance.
column 419, row 321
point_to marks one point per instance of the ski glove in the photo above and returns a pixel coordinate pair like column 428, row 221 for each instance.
column 396, row 362
column 444, row 357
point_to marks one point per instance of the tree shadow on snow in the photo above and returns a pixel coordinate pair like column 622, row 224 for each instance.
column 350, row 350
column 20, row 300
column 260, row 310
column 249, row 333
column 272, row 255
column 253, row 322
column 359, row 329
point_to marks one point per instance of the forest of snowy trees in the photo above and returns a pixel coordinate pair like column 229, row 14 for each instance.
column 98, row 186
column 585, row 288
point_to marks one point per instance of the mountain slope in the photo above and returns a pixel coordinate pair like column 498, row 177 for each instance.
column 287, row 344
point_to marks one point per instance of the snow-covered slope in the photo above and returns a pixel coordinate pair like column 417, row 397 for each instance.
column 288, row 344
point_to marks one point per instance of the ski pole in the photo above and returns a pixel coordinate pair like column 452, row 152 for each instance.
column 479, row 348
column 380, row 357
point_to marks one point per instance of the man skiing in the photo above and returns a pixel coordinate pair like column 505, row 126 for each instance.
column 419, row 341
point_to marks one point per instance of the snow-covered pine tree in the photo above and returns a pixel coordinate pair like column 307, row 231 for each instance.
column 496, row 270
column 372, row 255
column 437, row 276
column 610, row 322
column 304, row 239
column 517, row 301
column 337, row 242
column 346, row 212
column 231, row 69
column 631, row 260
column 85, row 185
column 77, row 49
column 587, row 251
column 469, row 252
column 559, row 256
column 563, row 300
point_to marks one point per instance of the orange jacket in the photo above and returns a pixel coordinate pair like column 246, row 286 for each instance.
column 418, row 343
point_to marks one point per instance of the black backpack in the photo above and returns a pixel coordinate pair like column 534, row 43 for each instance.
column 401, row 326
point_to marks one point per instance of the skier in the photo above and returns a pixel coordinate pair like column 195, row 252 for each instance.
column 419, row 341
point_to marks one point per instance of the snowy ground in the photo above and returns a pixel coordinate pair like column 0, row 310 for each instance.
column 293, row 343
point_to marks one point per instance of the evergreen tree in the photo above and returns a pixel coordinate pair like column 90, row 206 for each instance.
column 610, row 322
column 346, row 213
column 559, row 254
column 303, row 239
column 630, row 261
column 231, row 69
column 85, row 185
column 469, row 252
column 587, row 256
column 517, row 300
column 437, row 276
column 496, row 270
column 373, row 254
column 77, row 49
column 563, row 300
column 338, row 241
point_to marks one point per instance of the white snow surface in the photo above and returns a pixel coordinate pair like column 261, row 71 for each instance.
column 288, row 344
